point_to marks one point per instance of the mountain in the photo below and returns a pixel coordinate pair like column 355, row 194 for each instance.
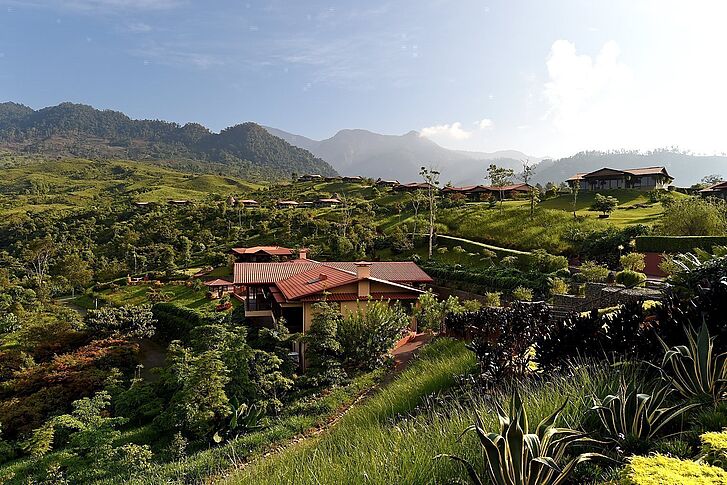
column 246, row 150
column 687, row 169
column 362, row 152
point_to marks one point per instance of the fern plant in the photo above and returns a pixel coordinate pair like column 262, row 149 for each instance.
column 694, row 369
column 518, row 455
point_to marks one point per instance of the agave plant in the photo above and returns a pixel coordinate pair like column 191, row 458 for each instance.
column 517, row 456
column 632, row 416
column 693, row 369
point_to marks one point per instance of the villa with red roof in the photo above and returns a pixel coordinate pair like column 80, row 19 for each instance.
column 289, row 289
column 258, row 254
column 646, row 178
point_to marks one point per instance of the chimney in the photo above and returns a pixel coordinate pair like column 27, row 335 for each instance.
column 303, row 253
column 363, row 273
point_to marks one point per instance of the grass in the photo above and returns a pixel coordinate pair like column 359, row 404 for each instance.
column 393, row 436
column 138, row 295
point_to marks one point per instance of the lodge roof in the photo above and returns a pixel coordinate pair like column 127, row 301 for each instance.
column 268, row 273
column 718, row 187
column 271, row 250
column 627, row 171
column 218, row 282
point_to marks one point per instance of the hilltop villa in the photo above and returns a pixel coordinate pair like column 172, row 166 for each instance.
column 716, row 190
column 647, row 178
column 289, row 289
column 475, row 192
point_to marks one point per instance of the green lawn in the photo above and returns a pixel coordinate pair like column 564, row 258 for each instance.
column 138, row 295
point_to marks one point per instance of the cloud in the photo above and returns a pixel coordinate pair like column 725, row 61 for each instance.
column 138, row 28
column 446, row 131
column 579, row 85
column 484, row 124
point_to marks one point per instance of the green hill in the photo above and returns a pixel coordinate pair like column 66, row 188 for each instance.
column 76, row 130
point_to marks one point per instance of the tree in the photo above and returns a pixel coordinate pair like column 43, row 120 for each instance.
column 712, row 179
column 499, row 178
column 76, row 270
column 694, row 216
column 323, row 351
column 526, row 175
column 431, row 177
column 575, row 188
column 126, row 322
column 186, row 250
column 367, row 334
column 604, row 203
column 38, row 256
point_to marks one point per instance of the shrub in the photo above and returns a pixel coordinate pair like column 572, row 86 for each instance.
column 367, row 334
column 547, row 263
column 519, row 454
column 660, row 469
column 677, row 244
column 604, row 203
column 633, row 261
column 492, row 299
column 630, row 278
column 458, row 250
column 558, row 286
column 502, row 338
column 620, row 333
column 522, row 294
column 694, row 216
column 509, row 261
column 126, row 321
column 714, row 448
column 594, row 272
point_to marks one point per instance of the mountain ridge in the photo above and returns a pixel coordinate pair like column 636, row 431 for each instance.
column 72, row 129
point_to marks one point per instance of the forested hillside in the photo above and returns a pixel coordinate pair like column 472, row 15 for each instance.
column 244, row 150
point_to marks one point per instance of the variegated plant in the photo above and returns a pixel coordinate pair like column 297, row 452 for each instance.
column 517, row 456
column 633, row 415
column 695, row 370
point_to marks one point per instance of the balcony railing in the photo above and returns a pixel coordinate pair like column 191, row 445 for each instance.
column 256, row 305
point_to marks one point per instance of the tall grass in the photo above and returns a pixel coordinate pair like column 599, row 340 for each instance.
column 393, row 437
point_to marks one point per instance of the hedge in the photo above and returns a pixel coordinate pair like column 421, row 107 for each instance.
column 677, row 244
column 506, row 279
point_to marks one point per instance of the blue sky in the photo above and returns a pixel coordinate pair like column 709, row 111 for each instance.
column 545, row 77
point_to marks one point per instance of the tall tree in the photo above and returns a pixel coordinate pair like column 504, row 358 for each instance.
column 431, row 177
column 533, row 192
column 499, row 178
column 575, row 189
column 38, row 256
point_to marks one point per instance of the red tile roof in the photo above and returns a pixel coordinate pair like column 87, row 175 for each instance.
column 268, row 273
column 315, row 280
column 218, row 282
column 396, row 271
column 271, row 250
column 509, row 187
column 355, row 297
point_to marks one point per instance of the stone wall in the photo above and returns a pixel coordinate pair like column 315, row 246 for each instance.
column 601, row 295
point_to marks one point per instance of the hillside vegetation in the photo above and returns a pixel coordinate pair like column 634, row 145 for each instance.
column 81, row 131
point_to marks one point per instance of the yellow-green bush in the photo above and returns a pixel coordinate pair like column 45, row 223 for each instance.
column 661, row 470
column 714, row 448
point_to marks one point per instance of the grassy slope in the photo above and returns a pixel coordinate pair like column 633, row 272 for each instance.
column 393, row 436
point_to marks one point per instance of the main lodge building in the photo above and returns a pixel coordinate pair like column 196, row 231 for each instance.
column 273, row 283
column 646, row 178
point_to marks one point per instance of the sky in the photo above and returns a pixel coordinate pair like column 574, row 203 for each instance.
column 545, row 77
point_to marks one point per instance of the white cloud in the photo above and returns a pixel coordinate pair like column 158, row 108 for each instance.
column 138, row 28
column 580, row 86
column 453, row 131
column 485, row 124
